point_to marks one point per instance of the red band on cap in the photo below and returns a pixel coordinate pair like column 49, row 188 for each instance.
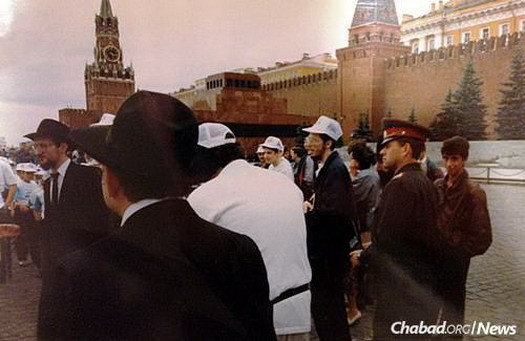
column 404, row 132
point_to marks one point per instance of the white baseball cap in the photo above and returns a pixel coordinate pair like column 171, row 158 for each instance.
column 29, row 167
column 213, row 135
column 105, row 120
column 328, row 126
column 273, row 142
column 260, row 149
column 20, row 167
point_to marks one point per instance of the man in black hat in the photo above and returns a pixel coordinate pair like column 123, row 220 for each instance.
column 464, row 222
column 405, row 238
column 165, row 274
column 74, row 210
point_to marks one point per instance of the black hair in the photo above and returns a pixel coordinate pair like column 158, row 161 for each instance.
column 137, row 188
column 327, row 138
column 456, row 145
column 362, row 154
column 208, row 161
column 418, row 147
column 300, row 151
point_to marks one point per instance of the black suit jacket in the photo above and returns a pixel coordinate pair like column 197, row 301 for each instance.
column 80, row 218
column 165, row 275
column 330, row 223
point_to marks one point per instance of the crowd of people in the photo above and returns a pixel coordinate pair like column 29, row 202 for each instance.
column 148, row 225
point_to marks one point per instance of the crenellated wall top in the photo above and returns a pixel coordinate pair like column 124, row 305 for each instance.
column 315, row 78
column 470, row 49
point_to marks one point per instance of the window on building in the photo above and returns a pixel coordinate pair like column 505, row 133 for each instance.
column 431, row 43
column 485, row 33
column 504, row 29
column 415, row 46
column 449, row 41
column 466, row 37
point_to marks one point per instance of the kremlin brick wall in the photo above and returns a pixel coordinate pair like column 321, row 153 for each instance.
column 422, row 81
column 308, row 96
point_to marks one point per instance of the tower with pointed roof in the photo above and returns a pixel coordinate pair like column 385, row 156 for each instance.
column 374, row 35
column 108, row 81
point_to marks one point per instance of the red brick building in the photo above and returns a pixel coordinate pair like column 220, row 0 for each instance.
column 239, row 101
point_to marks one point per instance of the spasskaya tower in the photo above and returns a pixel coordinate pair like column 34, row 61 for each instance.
column 108, row 82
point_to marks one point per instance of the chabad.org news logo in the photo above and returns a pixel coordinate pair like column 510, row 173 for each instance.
column 473, row 329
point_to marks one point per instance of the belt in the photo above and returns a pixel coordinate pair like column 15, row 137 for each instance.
column 290, row 293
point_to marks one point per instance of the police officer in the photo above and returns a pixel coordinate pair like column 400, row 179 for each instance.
column 404, row 234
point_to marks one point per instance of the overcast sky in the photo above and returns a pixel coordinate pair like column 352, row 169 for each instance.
column 44, row 45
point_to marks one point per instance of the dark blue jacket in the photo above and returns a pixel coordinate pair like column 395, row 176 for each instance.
column 330, row 225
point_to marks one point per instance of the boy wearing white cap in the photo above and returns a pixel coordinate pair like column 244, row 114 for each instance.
column 329, row 218
column 273, row 153
column 27, row 241
column 260, row 157
column 239, row 197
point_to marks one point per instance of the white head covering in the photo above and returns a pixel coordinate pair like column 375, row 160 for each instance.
column 213, row 135
column 328, row 126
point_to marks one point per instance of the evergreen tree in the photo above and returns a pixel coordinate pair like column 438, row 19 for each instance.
column 412, row 117
column 363, row 130
column 511, row 113
column 447, row 122
column 468, row 99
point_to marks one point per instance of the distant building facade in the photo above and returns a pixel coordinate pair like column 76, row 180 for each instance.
column 461, row 22
column 108, row 82
column 388, row 68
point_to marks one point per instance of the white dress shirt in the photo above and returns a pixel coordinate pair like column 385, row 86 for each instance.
column 266, row 207
column 61, row 174
column 137, row 206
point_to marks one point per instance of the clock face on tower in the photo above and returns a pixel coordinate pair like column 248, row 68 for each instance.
column 112, row 54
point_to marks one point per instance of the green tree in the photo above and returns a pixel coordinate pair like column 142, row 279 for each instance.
column 412, row 117
column 469, row 103
column 511, row 113
column 363, row 130
column 447, row 122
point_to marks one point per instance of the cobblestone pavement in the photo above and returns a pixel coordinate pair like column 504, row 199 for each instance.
column 19, row 304
column 496, row 281
column 496, row 285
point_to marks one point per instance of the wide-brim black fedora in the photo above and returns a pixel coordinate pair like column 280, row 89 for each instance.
column 152, row 135
column 49, row 128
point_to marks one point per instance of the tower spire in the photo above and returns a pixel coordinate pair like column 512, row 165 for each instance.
column 105, row 9
column 375, row 11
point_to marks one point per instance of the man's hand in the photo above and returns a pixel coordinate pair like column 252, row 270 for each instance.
column 307, row 207
column 355, row 258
